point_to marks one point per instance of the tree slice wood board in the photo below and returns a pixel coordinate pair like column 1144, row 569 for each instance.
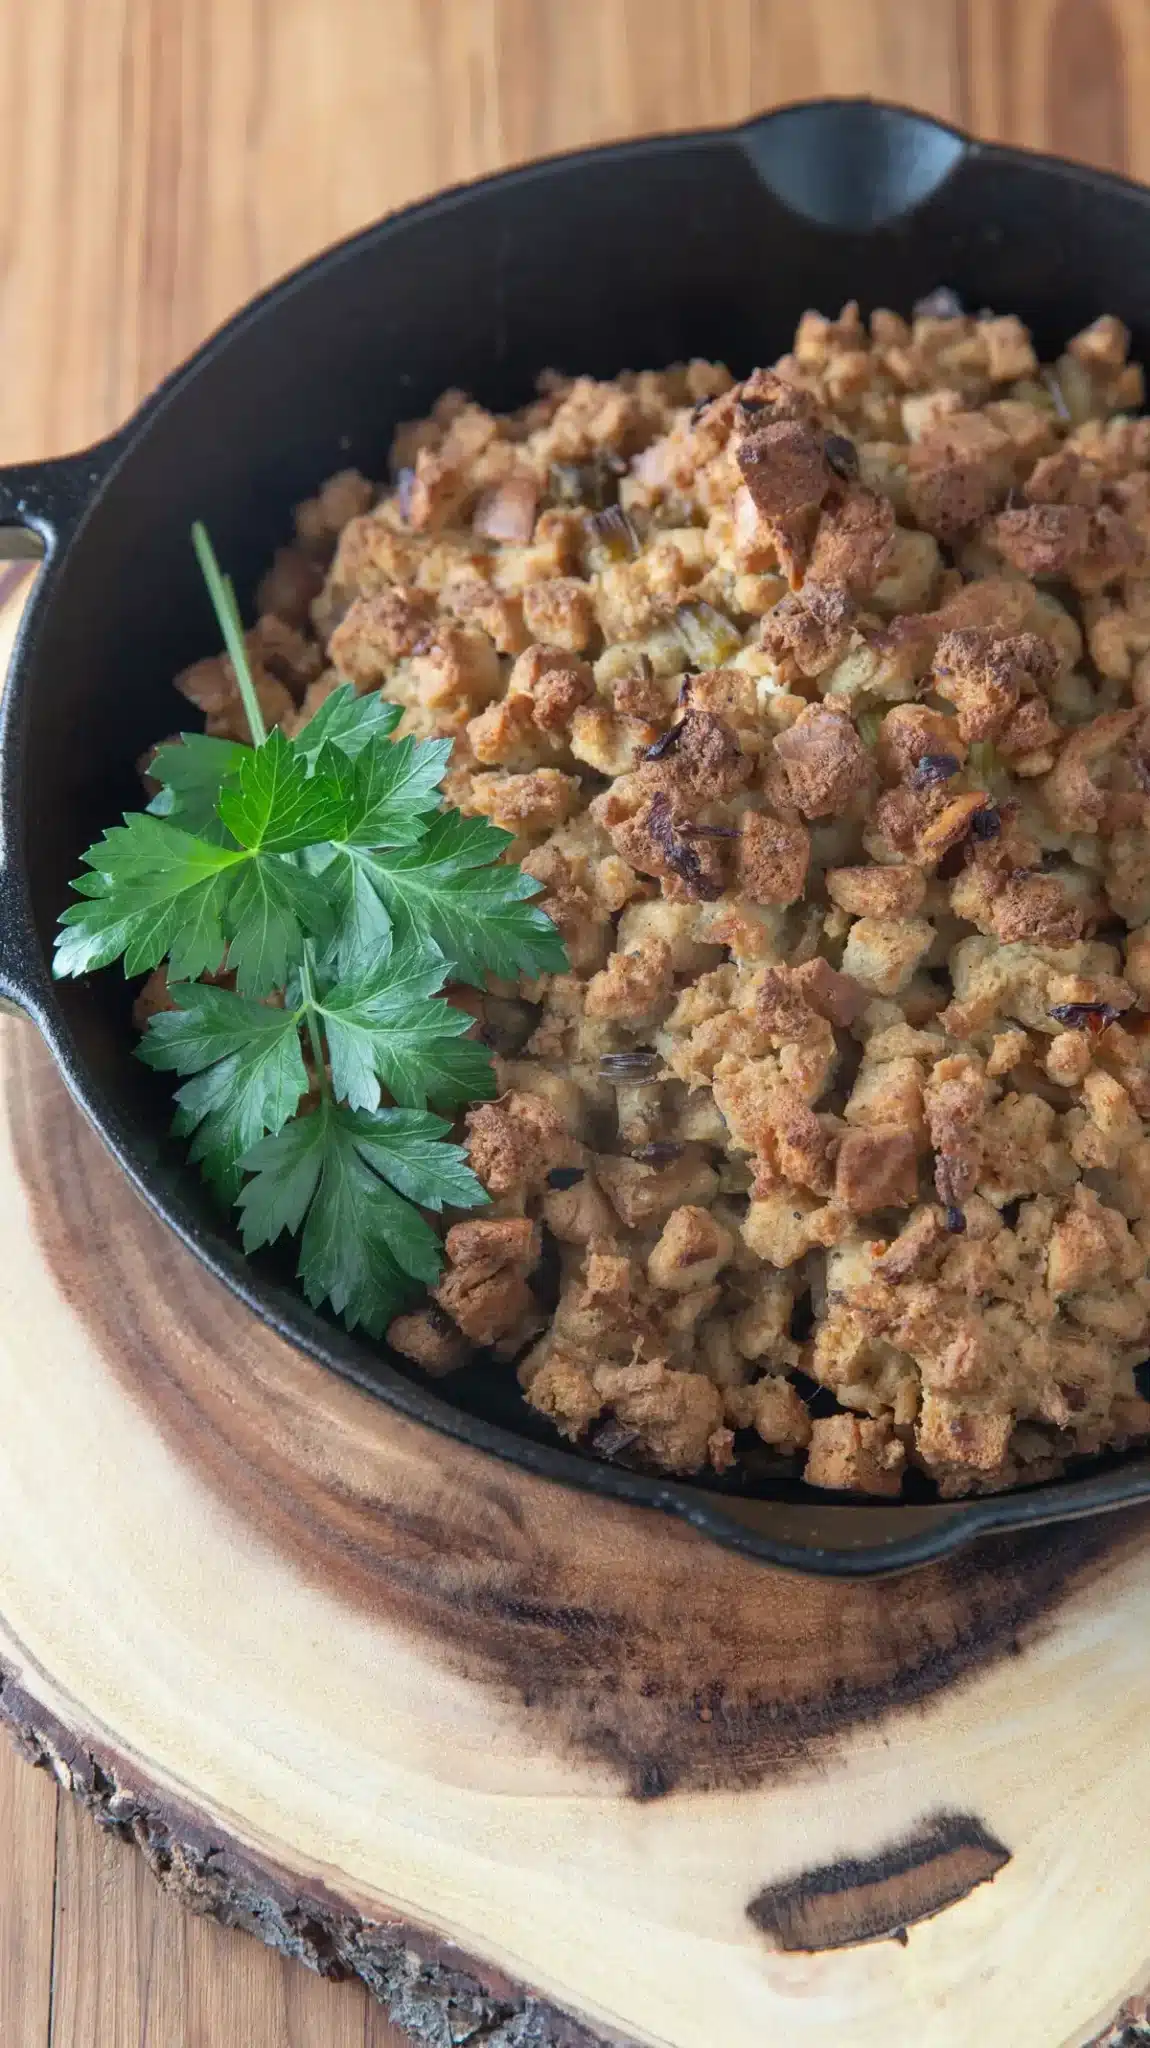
column 545, row 1772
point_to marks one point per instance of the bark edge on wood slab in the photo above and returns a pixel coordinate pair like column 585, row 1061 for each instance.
column 427, row 1985
column 1129, row 2028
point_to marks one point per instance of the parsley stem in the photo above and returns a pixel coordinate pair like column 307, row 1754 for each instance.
column 222, row 593
column 227, row 613
column 307, row 985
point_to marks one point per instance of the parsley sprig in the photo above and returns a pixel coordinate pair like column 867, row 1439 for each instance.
column 321, row 885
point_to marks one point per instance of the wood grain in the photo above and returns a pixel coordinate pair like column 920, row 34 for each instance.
column 133, row 1967
column 165, row 158
column 171, row 156
column 28, row 1832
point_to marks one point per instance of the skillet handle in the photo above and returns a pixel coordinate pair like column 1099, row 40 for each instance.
column 21, row 993
column 49, row 499
column 852, row 165
column 41, row 506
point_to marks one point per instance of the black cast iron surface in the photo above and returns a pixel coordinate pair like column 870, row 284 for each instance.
column 708, row 244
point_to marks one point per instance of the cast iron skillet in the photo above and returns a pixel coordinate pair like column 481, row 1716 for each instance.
column 705, row 244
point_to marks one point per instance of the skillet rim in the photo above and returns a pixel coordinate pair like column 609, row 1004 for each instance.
column 55, row 498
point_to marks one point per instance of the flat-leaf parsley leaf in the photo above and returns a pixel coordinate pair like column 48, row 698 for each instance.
column 453, row 887
column 249, row 1073
column 327, row 1177
column 380, row 1027
column 275, row 805
column 191, row 770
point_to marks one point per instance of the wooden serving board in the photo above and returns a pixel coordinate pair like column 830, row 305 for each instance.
column 543, row 1771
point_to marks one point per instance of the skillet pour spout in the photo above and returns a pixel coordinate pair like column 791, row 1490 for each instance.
column 642, row 253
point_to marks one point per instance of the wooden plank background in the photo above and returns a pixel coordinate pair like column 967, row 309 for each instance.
column 162, row 160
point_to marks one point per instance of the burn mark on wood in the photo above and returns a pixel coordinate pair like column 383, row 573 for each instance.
column 876, row 1898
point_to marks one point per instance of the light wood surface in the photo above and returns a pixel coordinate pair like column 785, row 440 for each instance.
column 165, row 158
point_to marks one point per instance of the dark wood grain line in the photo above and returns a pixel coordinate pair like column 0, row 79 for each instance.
column 1086, row 84
column 164, row 140
column 67, row 222
column 1005, row 31
column 524, row 73
column 28, row 1833
column 782, row 55
column 963, row 85
column 117, row 401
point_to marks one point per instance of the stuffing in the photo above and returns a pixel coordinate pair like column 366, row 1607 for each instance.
column 855, row 542
column 808, row 632
column 431, row 1340
column 883, row 952
column 836, row 997
column 773, row 855
column 876, row 1168
column 983, row 676
column 959, row 466
column 514, row 1143
column 824, row 761
column 559, row 611
column 677, row 1416
column 773, row 1408
column 645, row 1192
column 377, row 632
column 877, row 892
column 633, row 984
column 817, row 704
column 691, row 1251
column 484, row 1289
column 850, row 1455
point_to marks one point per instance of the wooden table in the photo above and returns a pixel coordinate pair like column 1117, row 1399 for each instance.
column 164, row 159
